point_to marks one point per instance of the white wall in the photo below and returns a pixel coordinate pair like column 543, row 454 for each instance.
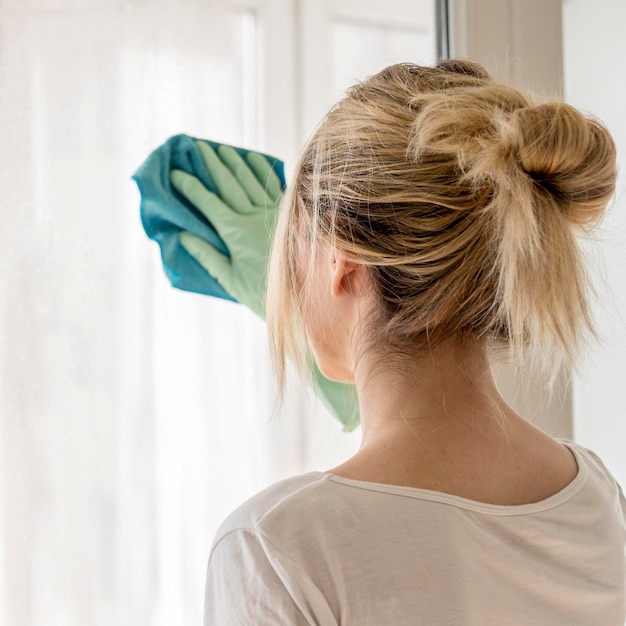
column 594, row 55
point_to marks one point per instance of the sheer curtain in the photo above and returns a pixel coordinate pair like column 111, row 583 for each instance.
column 115, row 444
column 133, row 417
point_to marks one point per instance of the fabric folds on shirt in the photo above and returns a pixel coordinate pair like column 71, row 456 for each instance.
column 318, row 549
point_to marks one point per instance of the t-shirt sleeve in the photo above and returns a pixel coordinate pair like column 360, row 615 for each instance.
column 249, row 581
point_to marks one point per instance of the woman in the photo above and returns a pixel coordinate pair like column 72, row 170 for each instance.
column 430, row 226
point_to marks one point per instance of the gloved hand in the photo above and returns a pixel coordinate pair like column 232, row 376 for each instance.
column 243, row 212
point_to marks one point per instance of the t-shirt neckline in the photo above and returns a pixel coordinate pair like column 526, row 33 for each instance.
column 550, row 502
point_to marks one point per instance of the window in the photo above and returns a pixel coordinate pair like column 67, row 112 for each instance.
column 133, row 417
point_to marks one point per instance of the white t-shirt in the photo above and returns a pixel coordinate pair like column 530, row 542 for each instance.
column 325, row 550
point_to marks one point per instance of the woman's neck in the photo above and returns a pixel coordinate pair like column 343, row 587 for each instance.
column 442, row 425
column 449, row 390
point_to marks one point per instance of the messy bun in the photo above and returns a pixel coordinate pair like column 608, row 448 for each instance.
column 542, row 170
column 570, row 157
column 463, row 197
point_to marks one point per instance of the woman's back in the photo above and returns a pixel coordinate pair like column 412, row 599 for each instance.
column 322, row 549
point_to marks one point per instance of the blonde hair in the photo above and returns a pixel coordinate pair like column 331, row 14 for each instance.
column 462, row 196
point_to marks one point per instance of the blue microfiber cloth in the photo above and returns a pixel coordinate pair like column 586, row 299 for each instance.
column 165, row 213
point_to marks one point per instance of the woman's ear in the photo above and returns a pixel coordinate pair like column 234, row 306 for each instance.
column 347, row 277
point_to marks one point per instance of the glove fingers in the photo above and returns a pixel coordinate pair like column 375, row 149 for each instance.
column 264, row 171
column 214, row 262
column 228, row 187
column 218, row 214
column 247, row 180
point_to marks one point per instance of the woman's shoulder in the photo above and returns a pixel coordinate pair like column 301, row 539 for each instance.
column 600, row 478
column 327, row 501
column 290, row 497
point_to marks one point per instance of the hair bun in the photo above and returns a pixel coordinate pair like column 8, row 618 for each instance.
column 569, row 156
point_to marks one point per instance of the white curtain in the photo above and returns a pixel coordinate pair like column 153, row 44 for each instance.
column 119, row 455
column 133, row 417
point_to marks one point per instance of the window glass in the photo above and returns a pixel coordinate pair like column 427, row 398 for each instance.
column 360, row 49
column 134, row 417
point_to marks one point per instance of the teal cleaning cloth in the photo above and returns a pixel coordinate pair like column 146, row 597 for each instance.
column 165, row 213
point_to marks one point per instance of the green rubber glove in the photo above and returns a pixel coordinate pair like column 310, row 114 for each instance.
column 244, row 214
